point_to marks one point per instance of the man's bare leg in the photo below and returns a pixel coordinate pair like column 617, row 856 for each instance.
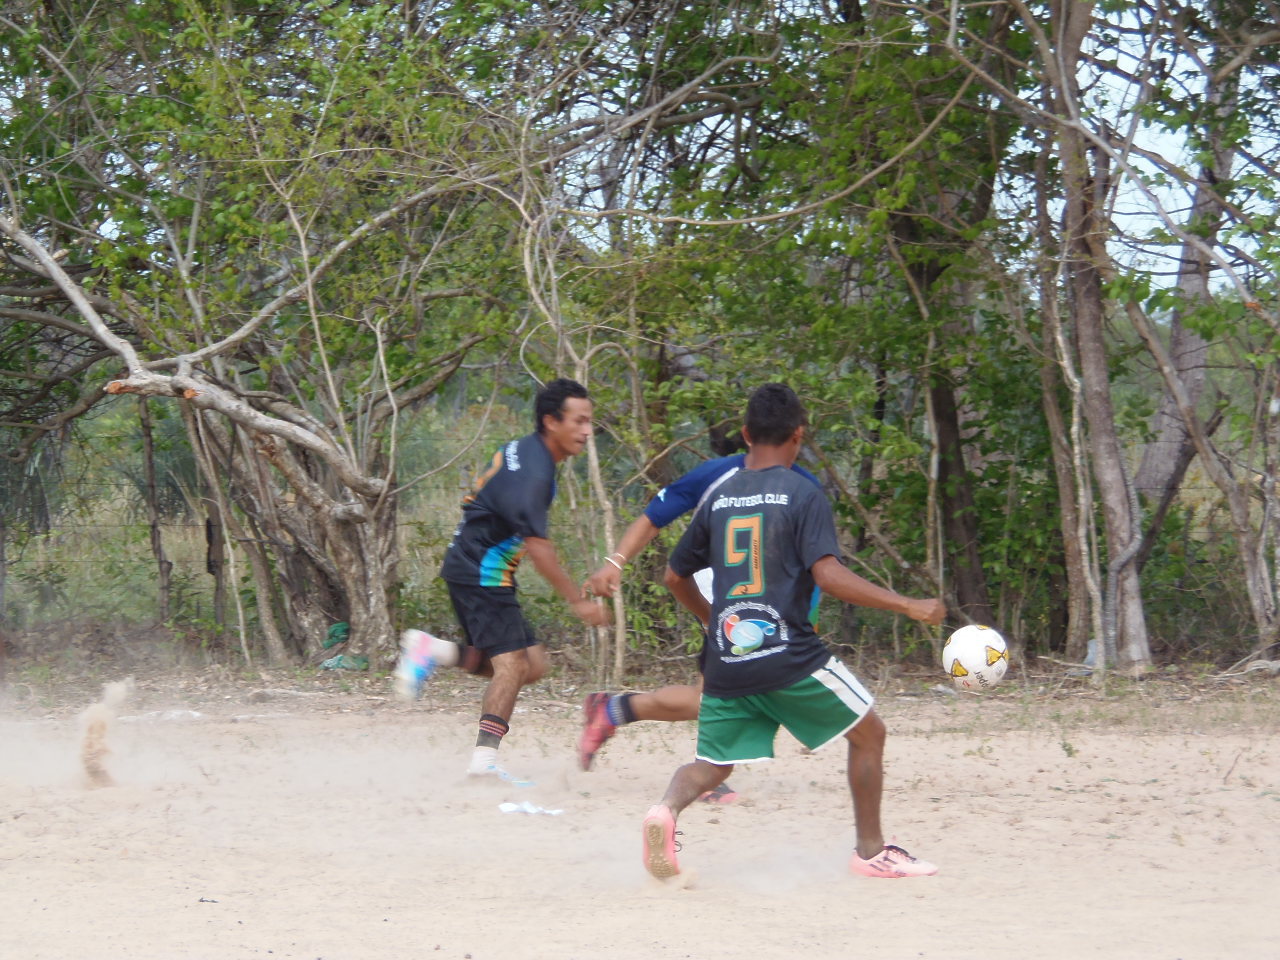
column 603, row 713
column 670, row 703
column 866, row 781
column 693, row 780
column 659, row 829
column 511, row 672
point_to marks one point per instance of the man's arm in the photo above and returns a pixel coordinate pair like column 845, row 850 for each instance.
column 674, row 500
column 606, row 579
column 836, row 580
column 685, row 590
column 542, row 554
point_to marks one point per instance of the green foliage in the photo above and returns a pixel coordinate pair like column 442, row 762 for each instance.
column 203, row 166
column 223, row 171
column 1193, row 590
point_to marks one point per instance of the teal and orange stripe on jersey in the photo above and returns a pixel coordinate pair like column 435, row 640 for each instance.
column 498, row 566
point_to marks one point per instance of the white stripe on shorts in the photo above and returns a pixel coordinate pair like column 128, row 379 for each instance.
column 835, row 676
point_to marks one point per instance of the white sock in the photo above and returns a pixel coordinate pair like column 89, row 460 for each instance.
column 482, row 758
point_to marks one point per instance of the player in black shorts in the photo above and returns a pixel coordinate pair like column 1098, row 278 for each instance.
column 504, row 518
column 769, row 537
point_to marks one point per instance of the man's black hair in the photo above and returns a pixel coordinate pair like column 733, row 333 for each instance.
column 551, row 398
column 773, row 413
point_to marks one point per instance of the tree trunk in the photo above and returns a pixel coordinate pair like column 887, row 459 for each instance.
column 959, row 512
column 1165, row 458
column 1172, row 484
column 1075, row 601
column 335, row 558
column 264, row 593
column 163, row 565
column 1251, row 537
column 313, row 601
column 1124, row 621
column 366, row 556
column 345, row 558
column 967, row 589
column 1124, row 639
column 216, row 566
column 4, row 566
column 1066, row 451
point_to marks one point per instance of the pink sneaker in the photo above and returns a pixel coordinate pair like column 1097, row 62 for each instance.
column 660, row 842
column 596, row 728
column 891, row 863
column 721, row 794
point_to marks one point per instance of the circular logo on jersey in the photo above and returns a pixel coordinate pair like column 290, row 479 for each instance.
column 746, row 628
column 747, row 635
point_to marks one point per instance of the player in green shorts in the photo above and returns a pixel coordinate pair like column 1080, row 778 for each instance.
column 769, row 537
column 603, row 713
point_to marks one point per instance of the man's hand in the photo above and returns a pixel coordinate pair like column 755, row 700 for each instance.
column 607, row 578
column 836, row 580
column 589, row 612
column 927, row 611
column 604, row 582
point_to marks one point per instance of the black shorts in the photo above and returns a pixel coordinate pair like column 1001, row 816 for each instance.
column 491, row 618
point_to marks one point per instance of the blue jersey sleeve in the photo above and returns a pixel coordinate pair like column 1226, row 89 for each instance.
column 679, row 497
column 692, row 553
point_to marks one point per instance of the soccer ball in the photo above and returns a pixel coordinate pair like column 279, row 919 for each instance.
column 975, row 657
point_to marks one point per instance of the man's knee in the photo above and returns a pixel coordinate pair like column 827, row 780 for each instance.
column 868, row 733
column 522, row 666
column 535, row 669
column 508, row 667
column 471, row 660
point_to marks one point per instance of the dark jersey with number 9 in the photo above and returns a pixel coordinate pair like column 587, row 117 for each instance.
column 760, row 532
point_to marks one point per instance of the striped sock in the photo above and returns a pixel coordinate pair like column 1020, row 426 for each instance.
column 618, row 708
column 492, row 729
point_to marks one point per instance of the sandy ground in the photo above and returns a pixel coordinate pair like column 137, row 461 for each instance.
column 323, row 820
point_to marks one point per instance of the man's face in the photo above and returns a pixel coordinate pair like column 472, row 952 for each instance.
column 568, row 435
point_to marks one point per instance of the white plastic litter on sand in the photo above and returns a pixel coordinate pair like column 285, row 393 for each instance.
column 527, row 807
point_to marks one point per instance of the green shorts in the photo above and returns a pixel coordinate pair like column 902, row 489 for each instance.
column 816, row 709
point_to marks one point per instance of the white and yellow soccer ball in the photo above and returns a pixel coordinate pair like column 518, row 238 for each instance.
column 975, row 657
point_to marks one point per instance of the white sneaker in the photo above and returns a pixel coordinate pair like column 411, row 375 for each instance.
column 420, row 654
column 491, row 771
